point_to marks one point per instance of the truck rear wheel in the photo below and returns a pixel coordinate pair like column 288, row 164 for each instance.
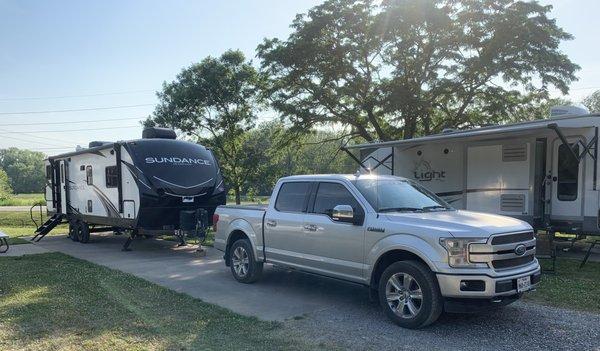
column 244, row 267
column 409, row 294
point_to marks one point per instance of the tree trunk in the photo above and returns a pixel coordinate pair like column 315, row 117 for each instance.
column 238, row 197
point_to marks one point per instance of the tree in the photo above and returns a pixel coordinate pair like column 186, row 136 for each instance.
column 285, row 153
column 25, row 169
column 215, row 100
column 592, row 102
column 402, row 67
column 5, row 189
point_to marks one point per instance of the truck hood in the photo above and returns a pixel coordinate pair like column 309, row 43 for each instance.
column 460, row 223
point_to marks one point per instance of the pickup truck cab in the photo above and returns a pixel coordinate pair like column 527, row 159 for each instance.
column 416, row 253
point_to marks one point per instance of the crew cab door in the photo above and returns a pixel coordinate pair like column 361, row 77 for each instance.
column 284, row 237
column 334, row 247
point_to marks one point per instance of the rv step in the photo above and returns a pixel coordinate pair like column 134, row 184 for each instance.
column 45, row 228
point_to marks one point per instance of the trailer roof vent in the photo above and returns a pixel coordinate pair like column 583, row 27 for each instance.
column 572, row 110
column 98, row 143
column 514, row 152
column 158, row 133
column 448, row 130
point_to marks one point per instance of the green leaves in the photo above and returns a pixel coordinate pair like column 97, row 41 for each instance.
column 390, row 70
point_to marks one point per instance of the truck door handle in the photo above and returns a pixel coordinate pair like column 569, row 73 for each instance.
column 310, row 227
column 271, row 223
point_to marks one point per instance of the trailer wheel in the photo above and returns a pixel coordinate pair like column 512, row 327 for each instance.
column 244, row 267
column 73, row 230
column 83, row 232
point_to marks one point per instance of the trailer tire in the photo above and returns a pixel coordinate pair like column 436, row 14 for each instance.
column 410, row 295
column 244, row 267
column 73, row 229
column 83, row 232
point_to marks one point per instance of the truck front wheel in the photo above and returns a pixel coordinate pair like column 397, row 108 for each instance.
column 244, row 267
column 409, row 294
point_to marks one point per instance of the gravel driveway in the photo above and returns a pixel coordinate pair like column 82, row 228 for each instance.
column 520, row 326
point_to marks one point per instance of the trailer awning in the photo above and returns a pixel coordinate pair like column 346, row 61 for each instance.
column 491, row 132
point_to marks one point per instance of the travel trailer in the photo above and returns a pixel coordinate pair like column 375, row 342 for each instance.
column 151, row 186
column 544, row 171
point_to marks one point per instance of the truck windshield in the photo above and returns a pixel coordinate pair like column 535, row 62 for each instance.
column 399, row 195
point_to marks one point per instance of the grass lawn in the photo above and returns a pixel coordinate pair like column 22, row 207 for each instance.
column 24, row 200
column 53, row 301
column 18, row 224
column 570, row 287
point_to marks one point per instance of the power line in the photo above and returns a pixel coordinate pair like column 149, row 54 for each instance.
column 73, row 110
column 71, row 122
column 73, row 130
column 28, row 134
column 76, row 96
column 29, row 141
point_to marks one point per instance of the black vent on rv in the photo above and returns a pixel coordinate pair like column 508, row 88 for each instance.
column 514, row 153
column 98, row 143
column 158, row 133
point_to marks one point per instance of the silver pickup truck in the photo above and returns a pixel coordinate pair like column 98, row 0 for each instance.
column 418, row 255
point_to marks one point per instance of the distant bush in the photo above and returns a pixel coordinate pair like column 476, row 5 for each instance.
column 5, row 189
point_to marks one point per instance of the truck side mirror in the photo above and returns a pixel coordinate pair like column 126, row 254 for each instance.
column 343, row 213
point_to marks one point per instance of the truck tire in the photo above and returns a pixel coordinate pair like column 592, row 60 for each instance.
column 410, row 295
column 73, row 228
column 244, row 267
column 83, row 232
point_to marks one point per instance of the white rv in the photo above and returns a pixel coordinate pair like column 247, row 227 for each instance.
column 154, row 185
column 544, row 171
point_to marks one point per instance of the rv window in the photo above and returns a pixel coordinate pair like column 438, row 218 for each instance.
column 48, row 172
column 291, row 197
column 62, row 172
column 89, row 176
column 112, row 178
column 568, row 174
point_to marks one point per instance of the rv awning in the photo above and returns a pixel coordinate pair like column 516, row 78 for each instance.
column 523, row 128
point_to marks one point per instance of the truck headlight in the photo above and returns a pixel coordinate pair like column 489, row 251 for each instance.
column 458, row 251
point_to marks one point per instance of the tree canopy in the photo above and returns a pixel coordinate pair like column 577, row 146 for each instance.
column 399, row 68
column 215, row 100
column 5, row 189
column 592, row 102
column 25, row 169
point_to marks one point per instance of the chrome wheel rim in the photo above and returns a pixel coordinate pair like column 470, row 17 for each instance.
column 404, row 295
column 240, row 261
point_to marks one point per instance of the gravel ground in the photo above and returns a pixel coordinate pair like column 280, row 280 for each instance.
column 516, row 327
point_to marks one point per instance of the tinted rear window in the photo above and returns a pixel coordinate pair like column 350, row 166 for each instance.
column 292, row 196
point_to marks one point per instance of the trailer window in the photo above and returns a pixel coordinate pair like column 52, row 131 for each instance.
column 112, row 178
column 568, row 173
column 48, row 172
column 62, row 173
column 89, row 178
column 292, row 196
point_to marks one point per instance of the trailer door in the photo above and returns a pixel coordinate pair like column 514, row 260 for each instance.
column 63, row 186
column 567, row 181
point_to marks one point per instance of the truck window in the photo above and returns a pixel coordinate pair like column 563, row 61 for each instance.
column 89, row 178
column 568, row 174
column 292, row 196
column 112, row 177
column 330, row 195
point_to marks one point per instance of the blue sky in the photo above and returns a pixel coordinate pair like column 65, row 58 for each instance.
column 53, row 52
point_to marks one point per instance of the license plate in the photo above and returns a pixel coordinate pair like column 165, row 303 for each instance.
column 523, row 284
column 188, row 199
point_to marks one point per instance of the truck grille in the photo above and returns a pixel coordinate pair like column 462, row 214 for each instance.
column 505, row 251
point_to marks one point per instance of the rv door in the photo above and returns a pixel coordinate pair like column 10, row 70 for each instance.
column 63, row 181
column 567, row 181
